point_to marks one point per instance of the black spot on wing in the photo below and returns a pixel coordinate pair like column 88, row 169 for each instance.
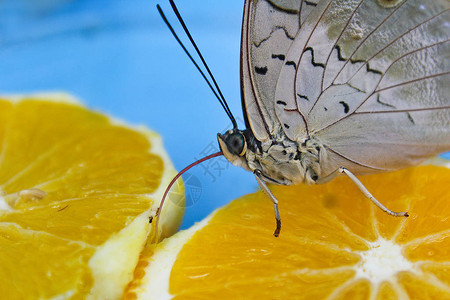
column 278, row 56
column 313, row 61
column 410, row 118
column 346, row 107
column 261, row 70
column 286, row 125
column 281, row 103
column 257, row 44
column 310, row 3
column 291, row 63
column 304, row 97
column 355, row 61
column 341, row 58
column 368, row 69
column 355, row 88
column 384, row 103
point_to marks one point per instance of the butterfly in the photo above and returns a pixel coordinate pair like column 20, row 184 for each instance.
column 333, row 87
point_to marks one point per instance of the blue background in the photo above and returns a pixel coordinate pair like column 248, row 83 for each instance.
column 119, row 58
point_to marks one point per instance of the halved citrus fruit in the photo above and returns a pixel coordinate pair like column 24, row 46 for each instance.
column 77, row 190
column 334, row 244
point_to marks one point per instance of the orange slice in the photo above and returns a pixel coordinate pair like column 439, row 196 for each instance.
column 76, row 192
column 334, row 244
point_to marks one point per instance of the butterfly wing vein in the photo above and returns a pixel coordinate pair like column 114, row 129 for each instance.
column 367, row 79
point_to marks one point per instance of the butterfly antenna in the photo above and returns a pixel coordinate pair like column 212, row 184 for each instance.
column 221, row 98
column 186, row 30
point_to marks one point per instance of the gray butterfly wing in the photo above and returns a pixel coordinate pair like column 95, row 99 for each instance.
column 269, row 27
column 370, row 80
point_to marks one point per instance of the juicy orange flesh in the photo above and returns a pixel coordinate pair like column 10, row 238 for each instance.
column 94, row 174
column 139, row 272
column 323, row 230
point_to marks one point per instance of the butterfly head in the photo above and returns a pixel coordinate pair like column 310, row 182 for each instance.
column 233, row 144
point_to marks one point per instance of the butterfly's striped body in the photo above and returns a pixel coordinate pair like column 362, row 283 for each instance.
column 288, row 162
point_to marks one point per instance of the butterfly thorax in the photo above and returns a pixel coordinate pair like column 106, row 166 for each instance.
column 280, row 159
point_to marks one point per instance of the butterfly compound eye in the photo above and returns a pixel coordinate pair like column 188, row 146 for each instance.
column 236, row 143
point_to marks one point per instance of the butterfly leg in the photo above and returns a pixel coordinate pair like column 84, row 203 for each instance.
column 260, row 179
column 362, row 188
